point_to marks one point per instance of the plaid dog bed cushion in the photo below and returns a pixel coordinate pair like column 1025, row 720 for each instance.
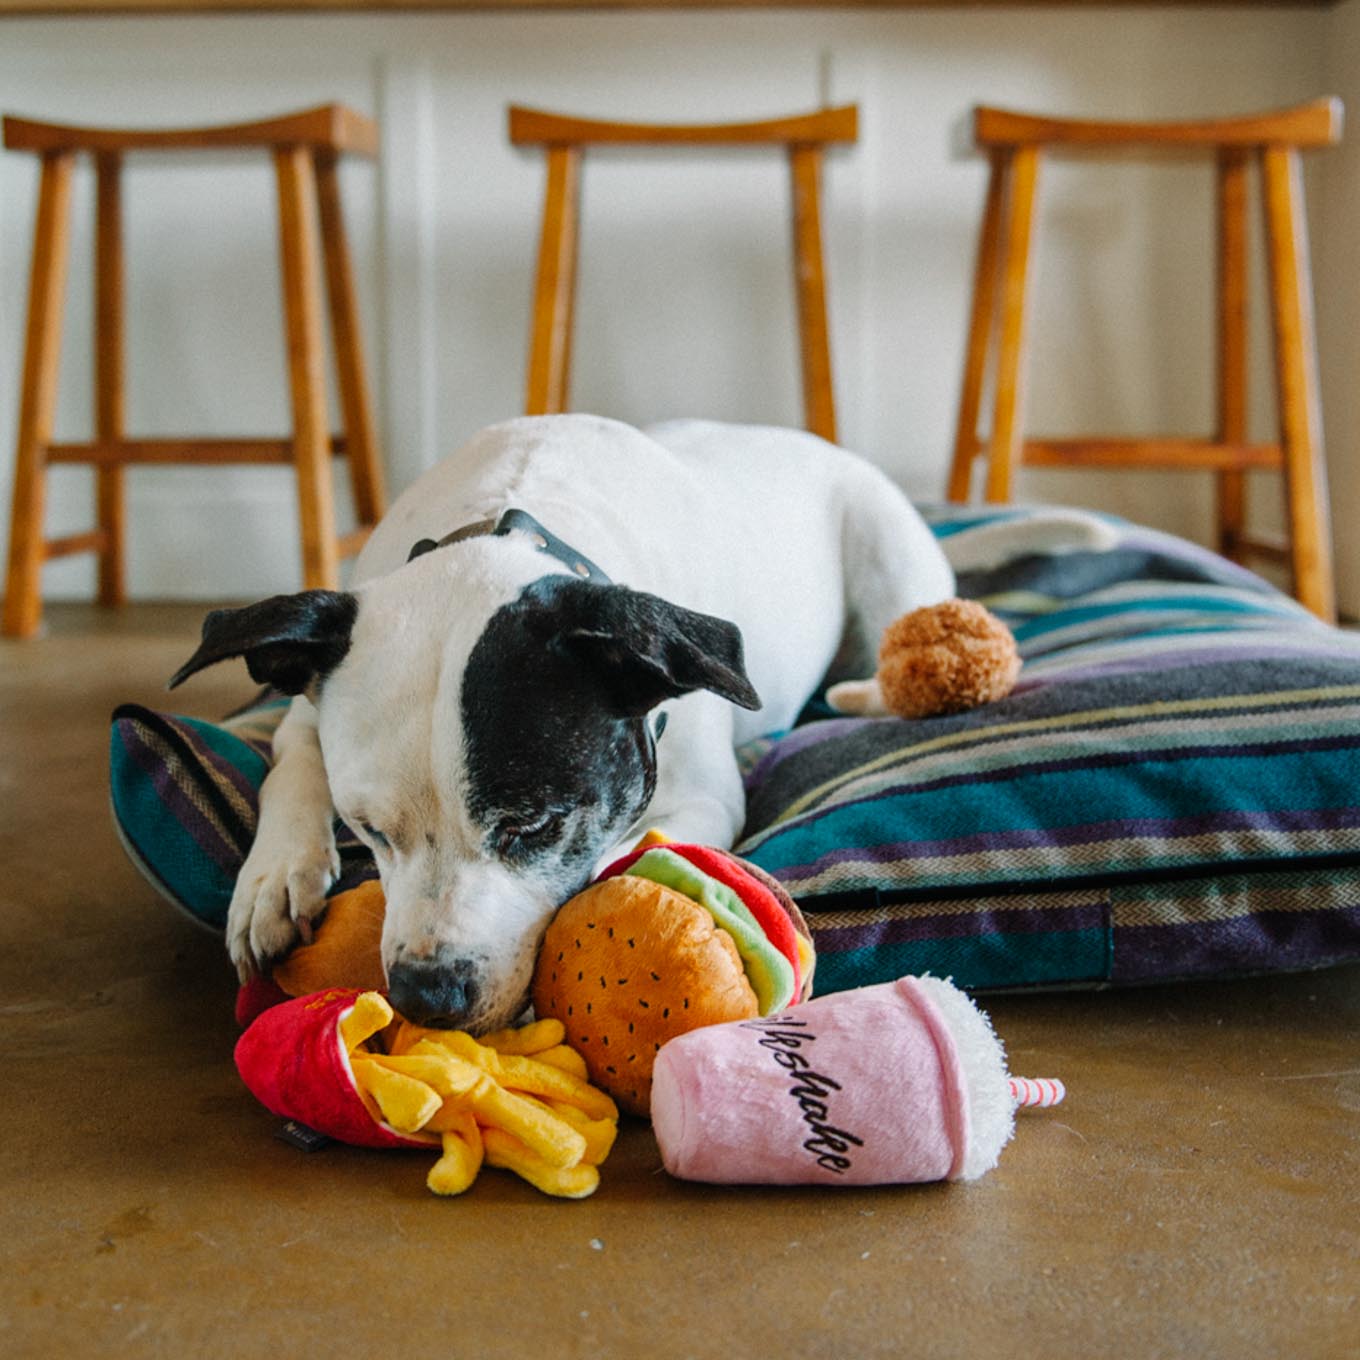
column 1172, row 790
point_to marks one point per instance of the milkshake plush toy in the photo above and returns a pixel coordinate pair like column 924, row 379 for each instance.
column 896, row 1083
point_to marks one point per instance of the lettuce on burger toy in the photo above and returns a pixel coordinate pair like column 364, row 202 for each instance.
column 669, row 939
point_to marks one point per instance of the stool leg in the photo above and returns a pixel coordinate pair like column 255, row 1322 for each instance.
column 1291, row 298
column 361, row 443
column 306, row 378
column 980, row 331
column 555, row 287
column 108, row 373
column 1232, row 344
column 37, row 401
column 1008, row 422
column 819, row 403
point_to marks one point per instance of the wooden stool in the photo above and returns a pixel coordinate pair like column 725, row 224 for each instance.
column 1014, row 143
column 804, row 137
column 306, row 147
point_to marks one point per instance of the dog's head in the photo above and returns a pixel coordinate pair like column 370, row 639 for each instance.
column 488, row 734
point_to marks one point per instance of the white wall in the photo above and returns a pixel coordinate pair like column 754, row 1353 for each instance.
column 1336, row 255
column 685, row 299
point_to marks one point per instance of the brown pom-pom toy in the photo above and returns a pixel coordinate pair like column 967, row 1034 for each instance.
column 943, row 658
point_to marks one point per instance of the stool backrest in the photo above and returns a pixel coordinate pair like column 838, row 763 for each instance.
column 804, row 138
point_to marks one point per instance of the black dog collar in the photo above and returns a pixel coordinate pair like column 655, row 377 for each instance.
column 520, row 521
column 517, row 521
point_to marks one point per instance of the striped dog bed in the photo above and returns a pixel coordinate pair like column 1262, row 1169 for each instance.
column 1172, row 790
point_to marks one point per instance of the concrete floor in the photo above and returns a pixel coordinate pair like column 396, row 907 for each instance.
column 1198, row 1194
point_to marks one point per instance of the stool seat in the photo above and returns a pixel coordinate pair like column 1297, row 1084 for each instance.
column 1317, row 123
column 305, row 148
column 328, row 127
column 803, row 137
column 824, row 125
column 1016, row 143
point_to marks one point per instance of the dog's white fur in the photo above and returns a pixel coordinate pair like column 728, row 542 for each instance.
column 798, row 542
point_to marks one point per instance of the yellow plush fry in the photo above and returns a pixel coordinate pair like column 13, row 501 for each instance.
column 406, row 1104
column 447, row 1075
column 461, row 1045
column 535, row 1125
column 450, row 1115
column 549, row 1137
column 565, row 1057
column 403, row 1036
column 455, row 1171
column 598, row 1133
column 575, row 1182
column 454, row 1046
column 527, row 1039
column 518, row 1098
column 541, row 1079
column 370, row 1014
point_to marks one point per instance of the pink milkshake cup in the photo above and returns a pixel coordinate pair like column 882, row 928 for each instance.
column 900, row 1082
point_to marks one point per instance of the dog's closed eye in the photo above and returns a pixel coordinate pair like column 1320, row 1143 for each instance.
column 514, row 838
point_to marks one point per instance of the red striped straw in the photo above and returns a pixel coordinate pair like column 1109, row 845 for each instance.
column 1039, row 1092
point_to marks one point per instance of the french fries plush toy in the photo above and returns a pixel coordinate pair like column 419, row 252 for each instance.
column 342, row 1063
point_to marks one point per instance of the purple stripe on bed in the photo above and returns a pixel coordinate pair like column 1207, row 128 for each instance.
column 225, row 855
column 810, row 734
column 222, row 766
column 1268, row 941
column 1148, row 828
column 958, row 924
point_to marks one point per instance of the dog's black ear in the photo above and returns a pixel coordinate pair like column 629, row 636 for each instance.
column 644, row 649
column 287, row 641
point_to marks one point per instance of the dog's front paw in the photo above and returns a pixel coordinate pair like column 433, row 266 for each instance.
column 279, row 892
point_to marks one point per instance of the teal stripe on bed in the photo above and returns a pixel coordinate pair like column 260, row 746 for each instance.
column 1025, row 959
column 1202, row 613
column 1152, row 788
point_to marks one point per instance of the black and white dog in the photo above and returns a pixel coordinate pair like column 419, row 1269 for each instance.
column 485, row 710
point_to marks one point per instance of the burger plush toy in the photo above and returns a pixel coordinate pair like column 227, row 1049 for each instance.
column 669, row 939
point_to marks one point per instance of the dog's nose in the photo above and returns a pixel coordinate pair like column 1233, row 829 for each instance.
column 437, row 994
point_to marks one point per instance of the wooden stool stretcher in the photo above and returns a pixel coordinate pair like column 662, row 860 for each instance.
column 306, row 148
